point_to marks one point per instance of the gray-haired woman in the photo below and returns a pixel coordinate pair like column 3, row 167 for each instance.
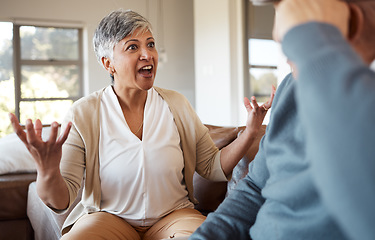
column 136, row 145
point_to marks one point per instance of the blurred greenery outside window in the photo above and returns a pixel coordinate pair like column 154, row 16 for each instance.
column 263, row 62
column 40, row 72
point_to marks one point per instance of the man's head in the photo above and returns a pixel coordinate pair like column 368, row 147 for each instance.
column 264, row 2
column 354, row 18
column 362, row 29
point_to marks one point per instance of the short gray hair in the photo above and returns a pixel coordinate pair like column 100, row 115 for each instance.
column 114, row 27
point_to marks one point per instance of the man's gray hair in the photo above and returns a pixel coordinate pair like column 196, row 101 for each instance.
column 113, row 28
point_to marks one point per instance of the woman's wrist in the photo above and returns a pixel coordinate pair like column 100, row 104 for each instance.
column 250, row 133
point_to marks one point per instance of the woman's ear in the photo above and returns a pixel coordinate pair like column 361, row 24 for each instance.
column 107, row 65
column 355, row 22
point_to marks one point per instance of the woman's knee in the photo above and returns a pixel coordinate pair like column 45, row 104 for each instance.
column 101, row 225
column 179, row 223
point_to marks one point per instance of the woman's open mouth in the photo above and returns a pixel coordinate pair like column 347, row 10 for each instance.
column 146, row 71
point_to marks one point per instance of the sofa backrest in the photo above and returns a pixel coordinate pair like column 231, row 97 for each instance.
column 210, row 194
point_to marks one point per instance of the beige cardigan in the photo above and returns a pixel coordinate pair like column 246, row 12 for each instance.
column 80, row 157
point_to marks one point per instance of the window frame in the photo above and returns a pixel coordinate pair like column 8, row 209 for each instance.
column 18, row 62
column 257, row 27
column 254, row 66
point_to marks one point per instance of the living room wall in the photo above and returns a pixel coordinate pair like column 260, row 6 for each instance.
column 220, row 61
column 176, row 26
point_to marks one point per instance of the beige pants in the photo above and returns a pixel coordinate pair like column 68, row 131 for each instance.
column 103, row 225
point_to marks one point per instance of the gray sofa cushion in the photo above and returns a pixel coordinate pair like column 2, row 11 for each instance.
column 46, row 223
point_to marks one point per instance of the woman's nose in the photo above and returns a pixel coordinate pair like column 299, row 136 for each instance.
column 145, row 54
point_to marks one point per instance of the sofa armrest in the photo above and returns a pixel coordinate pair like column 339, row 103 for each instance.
column 14, row 223
column 13, row 192
column 39, row 213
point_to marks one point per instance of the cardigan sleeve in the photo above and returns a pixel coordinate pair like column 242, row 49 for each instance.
column 72, row 164
column 79, row 152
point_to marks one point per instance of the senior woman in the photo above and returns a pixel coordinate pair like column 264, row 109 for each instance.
column 135, row 145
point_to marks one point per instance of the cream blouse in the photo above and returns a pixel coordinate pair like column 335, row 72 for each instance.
column 141, row 180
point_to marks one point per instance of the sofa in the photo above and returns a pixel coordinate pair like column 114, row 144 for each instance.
column 24, row 216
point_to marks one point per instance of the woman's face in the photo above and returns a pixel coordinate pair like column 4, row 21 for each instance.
column 135, row 60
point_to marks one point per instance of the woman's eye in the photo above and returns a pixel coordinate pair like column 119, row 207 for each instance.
column 132, row 47
column 151, row 44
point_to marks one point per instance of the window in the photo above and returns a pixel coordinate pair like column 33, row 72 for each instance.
column 41, row 72
column 267, row 65
column 263, row 61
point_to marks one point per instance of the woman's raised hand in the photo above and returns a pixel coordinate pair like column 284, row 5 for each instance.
column 257, row 113
column 47, row 154
column 232, row 153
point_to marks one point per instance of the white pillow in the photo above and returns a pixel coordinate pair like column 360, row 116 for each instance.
column 14, row 156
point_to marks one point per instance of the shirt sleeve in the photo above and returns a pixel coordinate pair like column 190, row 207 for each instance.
column 335, row 99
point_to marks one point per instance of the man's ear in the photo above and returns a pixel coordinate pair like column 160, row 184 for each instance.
column 355, row 22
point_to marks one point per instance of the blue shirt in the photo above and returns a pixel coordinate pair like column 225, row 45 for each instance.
column 314, row 174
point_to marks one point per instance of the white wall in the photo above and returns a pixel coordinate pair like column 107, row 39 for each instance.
column 177, row 73
column 219, row 60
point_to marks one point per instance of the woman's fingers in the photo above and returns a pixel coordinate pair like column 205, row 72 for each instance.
column 64, row 136
column 38, row 128
column 31, row 135
column 273, row 91
column 46, row 154
column 267, row 105
column 254, row 102
column 248, row 106
column 53, row 134
column 17, row 128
